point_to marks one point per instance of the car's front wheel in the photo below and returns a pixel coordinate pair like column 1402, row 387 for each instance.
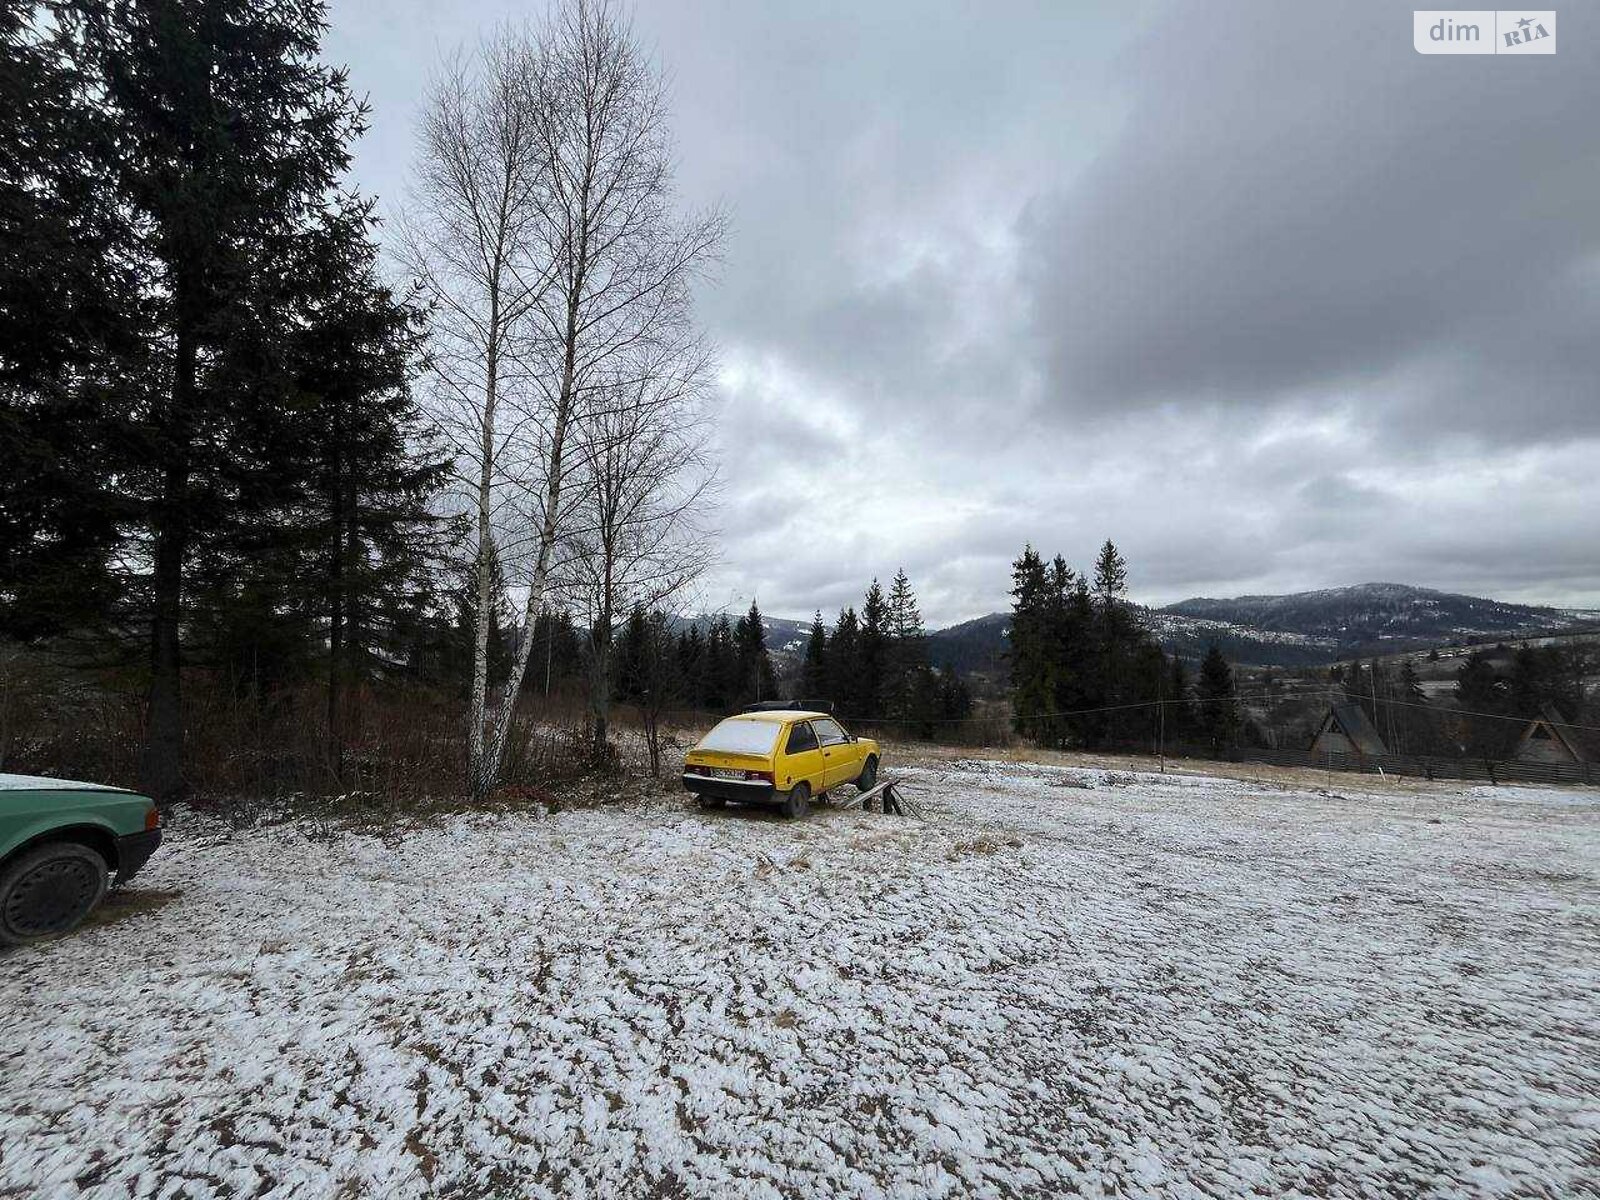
column 49, row 891
column 868, row 778
column 798, row 802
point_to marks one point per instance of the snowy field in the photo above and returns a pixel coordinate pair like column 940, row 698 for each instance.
column 1065, row 982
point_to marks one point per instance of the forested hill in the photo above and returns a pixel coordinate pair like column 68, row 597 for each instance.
column 1301, row 629
column 1371, row 614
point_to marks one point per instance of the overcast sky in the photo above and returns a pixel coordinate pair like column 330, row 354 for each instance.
column 1253, row 289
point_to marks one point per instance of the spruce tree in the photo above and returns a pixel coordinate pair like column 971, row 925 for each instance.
column 232, row 138
column 722, row 666
column 68, row 333
column 1078, row 666
column 757, row 680
column 955, row 699
column 814, row 670
column 1113, row 634
column 907, row 693
column 1110, row 577
column 691, row 666
column 872, row 659
column 360, row 524
column 1180, row 722
column 1033, row 653
column 844, row 664
column 1484, row 696
column 1218, row 707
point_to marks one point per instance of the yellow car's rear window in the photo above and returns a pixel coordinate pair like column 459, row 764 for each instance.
column 736, row 736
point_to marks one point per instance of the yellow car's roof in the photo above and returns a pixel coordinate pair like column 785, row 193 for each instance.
column 777, row 714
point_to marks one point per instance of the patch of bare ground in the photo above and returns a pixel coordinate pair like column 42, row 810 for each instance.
column 125, row 903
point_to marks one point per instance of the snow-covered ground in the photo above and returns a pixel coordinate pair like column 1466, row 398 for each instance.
column 1065, row 982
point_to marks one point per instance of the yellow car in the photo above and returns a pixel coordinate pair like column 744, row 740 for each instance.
column 783, row 754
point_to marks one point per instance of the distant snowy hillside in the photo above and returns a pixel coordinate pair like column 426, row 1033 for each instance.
column 1303, row 629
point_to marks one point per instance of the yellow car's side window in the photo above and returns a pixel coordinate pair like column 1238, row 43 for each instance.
column 830, row 732
column 801, row 738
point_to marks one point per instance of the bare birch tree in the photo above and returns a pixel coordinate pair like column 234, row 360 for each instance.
column 639, row 541
column 472, row 238
column 622, row 265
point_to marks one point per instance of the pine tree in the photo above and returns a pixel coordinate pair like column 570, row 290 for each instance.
column 756, row 678
column 1114, row 635
column 692, row 667
column 1180, row 718
column 954, row 698
column 1079, row 664
column 1034, row 650
column 907, row 693
column 232, row 139
column 1110, row 578
column 360, row 527
column 1483, row 695
column 557, row 657
column 1218, row 707
column 844, row 664
column 630, row 662
column 67, row 334
column 722, row 666
column 1412, row 720
column 1411, row 684
column 872, row 660
column 814, row 671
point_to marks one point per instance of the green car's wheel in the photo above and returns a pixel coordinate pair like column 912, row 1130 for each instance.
column 869, row 775
column 798, row 802
column 49, row 890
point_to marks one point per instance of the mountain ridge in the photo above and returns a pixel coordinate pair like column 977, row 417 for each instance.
column 1310, row 628
column 1288, row 629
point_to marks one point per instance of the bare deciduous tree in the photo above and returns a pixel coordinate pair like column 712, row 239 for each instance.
column 638, row 541
column 471, row 237
column 622, row 264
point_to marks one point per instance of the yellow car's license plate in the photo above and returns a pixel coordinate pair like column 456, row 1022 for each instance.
column 726, row 773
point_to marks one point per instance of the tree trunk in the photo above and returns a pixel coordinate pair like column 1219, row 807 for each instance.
column 600, row 682
column 494, row 760
column 161, row 771
column 336, row 607
column 479, row 770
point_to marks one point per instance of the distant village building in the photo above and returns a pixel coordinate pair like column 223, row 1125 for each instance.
column 1548, row 739
column 1346, row 730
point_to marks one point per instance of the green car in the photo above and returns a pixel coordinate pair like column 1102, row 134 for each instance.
column 60, row 844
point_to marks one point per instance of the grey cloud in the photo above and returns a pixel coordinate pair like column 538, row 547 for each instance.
column 1297, row 197
column 1250, row 287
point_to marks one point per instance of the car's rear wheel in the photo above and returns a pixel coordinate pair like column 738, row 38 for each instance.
column 798, row 802
column 49, row 891
column 868, row 778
